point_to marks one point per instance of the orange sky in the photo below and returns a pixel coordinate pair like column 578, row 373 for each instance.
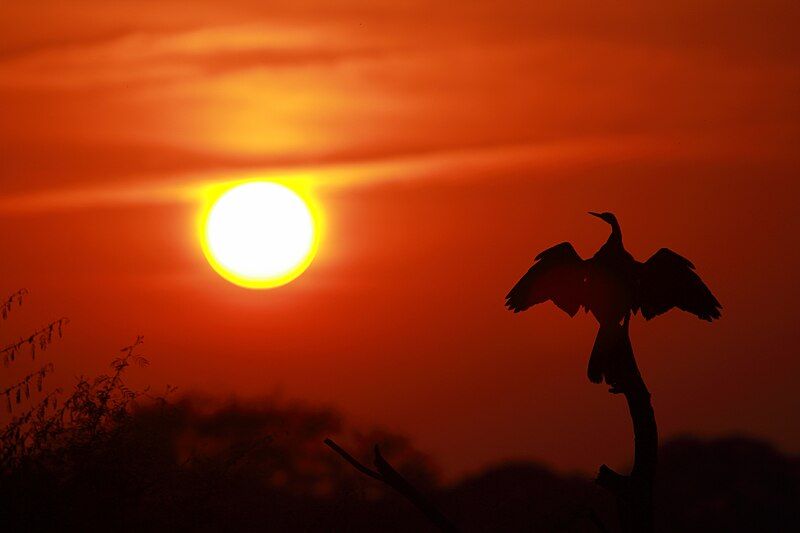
column 447, row 146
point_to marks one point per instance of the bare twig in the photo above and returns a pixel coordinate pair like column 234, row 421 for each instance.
column 11, row 301
column 24, row 385
column 41, row 337
column 389, row 476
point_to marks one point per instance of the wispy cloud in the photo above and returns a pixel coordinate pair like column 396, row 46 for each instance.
column 148, row 57
column 452, row 164
column 132, row 95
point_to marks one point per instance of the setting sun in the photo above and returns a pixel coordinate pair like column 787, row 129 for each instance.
column 259, row 234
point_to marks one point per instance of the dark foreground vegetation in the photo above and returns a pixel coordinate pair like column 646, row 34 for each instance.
column 106, row 459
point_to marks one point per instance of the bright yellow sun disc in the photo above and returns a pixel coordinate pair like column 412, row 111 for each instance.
column 259, row 235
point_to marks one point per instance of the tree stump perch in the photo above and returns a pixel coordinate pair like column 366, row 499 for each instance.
column 634, row 492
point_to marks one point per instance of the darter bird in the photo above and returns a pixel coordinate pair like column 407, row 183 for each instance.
column 611, row 285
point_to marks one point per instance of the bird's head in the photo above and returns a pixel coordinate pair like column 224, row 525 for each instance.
column 607, row 217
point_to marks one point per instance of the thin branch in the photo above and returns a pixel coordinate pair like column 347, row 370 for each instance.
column 25, row 385
column 353, row 461
column 389, row 476
column 42, row 336
column 11, row 301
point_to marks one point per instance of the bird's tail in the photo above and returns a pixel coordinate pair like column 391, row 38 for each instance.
column 612, row 355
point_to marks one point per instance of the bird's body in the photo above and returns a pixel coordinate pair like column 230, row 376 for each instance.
column 612, row 285
column 610, row 289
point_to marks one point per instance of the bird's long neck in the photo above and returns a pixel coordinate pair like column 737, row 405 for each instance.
column 616, row 234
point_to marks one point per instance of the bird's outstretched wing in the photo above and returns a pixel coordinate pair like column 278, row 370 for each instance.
column 557, row 274
column 668, row 280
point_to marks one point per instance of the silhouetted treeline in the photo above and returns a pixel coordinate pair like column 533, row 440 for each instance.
column 194, row 465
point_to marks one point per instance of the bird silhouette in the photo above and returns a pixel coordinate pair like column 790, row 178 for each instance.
column 612, row 285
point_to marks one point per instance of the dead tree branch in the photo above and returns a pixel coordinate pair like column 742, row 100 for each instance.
column 387, row 475
column 634, row 492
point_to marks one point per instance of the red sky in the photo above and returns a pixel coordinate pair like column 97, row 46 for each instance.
column 447, row 146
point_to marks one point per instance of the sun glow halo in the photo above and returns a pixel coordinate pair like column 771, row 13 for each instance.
column 259, row 234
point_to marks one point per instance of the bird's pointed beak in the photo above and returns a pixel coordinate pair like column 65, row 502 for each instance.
column 595, row 214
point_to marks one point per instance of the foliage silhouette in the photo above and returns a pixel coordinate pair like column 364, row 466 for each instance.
column 107, row 457
column 194, row 464
column 39, row 340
